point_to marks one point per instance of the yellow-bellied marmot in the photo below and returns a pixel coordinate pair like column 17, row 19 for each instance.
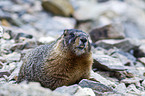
column 64, row 62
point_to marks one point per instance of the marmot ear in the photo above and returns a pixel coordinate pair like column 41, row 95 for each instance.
column 65, row 32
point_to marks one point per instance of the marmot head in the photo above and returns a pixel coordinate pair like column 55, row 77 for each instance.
column 76, row 41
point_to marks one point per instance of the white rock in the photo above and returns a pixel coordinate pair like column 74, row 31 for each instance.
column 121, row 88
column 13, row 56
column 1, row 31
column 132, row 89
column 47, row 39
column 143, row 83
column 84, row 92
column 75, row 90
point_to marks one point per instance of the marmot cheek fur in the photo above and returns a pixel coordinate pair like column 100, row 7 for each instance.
column 63, row 62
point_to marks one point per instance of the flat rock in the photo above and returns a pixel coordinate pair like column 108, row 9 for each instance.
column 13, row 56
column 105, row 62
column 4, row 72
column 120, row 75
column 91, row 8
column 57, row 7
column 131, row 80
column 101, row 79
column 126, row 58
column 18, row 46
column 75, row 90
column 124, row 45
column 111, row 31
column 96, row 86
column 142, row 60
column 23, row 89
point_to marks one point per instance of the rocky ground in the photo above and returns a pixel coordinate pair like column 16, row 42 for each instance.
column 116, row 29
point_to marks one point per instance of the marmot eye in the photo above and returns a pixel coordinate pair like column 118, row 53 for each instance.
column 72, row 34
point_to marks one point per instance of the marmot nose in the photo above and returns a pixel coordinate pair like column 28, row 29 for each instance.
column 84, row 40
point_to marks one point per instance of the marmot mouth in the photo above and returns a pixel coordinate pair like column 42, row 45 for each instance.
column 81, row 47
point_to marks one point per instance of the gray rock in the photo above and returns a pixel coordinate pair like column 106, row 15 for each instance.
column 6, row 3
column 114, row 11
column 124, row 45
column 105, row 62
column 4, row 15
column 57, row 7
column 36, row 33
column 100, row 1
column 99, row 51
column 75, row 90
column 97, row 87
column 28, row 18
column 111, row 31
column 134, row 27
column 85, row 26
column 91, row 8
column 23, row 89
column 55, row 25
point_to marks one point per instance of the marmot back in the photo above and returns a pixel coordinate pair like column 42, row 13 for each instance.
column 64, row 62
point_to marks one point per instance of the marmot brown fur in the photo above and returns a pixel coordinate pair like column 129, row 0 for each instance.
column 64, row 62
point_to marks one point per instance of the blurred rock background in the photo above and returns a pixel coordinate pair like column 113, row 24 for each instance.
column 117, row 34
